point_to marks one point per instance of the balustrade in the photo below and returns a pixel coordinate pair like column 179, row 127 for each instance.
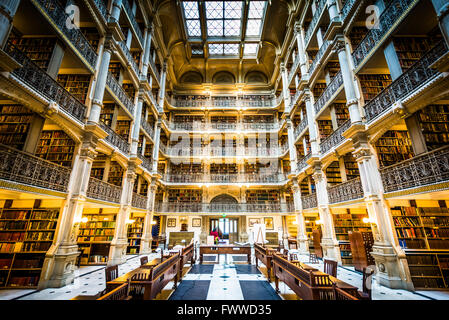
column 309, row 201
column 118, row 91
column 335, row 138
column 349, row 190
column 331, row 89
column 101, row 190
column 115, row 139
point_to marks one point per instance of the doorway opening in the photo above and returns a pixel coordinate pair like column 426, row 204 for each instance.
column 227, row 229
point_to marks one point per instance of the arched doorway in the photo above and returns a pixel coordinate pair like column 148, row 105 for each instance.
column 227, row 227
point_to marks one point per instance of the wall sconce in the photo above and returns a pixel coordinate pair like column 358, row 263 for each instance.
column 306, row 221
column 129, row 221
column 295, row 222
column 319, row 222
column 368, row 220
column 153, row 222
column 80, row 220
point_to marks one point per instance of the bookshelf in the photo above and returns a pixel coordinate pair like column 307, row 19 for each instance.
column 114, row 69
column 223, row 119
column 188, row 118
column 356, row 35
column 186, row 168
column 94, row 238
column 341, row 113
column 304, row 185
column 98, row 166
column 76, row 84
column 333, row 174
column 263, row 196
column 324, row 128
column 136, row 56
column 56, row 146
column 318, row 89
column 135, row 232
column 427, row 250
column 411, row 49
column 15, row 121
column 123, row 128
column 268, row 118
column 130, row 90
column 92, row 36
column 115, row 176
column 373, row 84
column 351, row 166
column 310, row 226
column 25, row 236
column 286, row 166
column 39, row 50
column 394, row 146
column 184, row 195
column 333, row 67
column 107, row 113
column 223, row 168
column 434, row 122
column 344, row 223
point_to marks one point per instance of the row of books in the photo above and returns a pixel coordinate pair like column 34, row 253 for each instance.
column 406, row 222
column 409, row 233
column 98, row 224
column 93, row 232
column 40, row 236
column 97, row 238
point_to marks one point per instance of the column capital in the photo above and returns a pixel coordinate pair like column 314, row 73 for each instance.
column 339, row 45
column 297, row 27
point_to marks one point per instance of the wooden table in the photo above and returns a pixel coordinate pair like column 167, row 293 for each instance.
column 225, row 249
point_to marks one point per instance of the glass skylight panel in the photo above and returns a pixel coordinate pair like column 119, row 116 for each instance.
column 191, row 10
column 233, row 9
column 256, row 9
column 250, row 49
column 231, row 49
column 232, row 28
column 253, row 27
column 215, row 48
column 214, row 10
column 192, row 16
column 215, row 28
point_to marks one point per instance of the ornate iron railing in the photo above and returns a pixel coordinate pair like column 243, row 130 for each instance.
column 40, row 81
column 18, row 166
column 155, row 71
column 349, row 190
column 118, row 91
column 53, row 10
column 102, row 9
column 147, row 127
column 389, row 17
column 331, row 89
column 313, row 23
column 347, row 7
column 417, row 75
column 224, row 178
column 139, row 201
column 165, row 207
column 302, row 163
column 101, row 190
column 115, row 139
column 318, row 56
column 129, row 57
column 422, row 170
column 300, row 127
column 180, row 151
column 133, row 21
column 309, row 201
column 222, row 102
column 146, row 163
column 201, row 126
column 292, row 72
column 335, row 138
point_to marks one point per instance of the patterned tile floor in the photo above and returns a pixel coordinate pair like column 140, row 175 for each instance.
column 229, row 278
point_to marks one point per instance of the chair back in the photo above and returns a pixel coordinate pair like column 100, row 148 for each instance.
column 340, row 294
column 143, row 260
column 293, row 257
column 313, row 258
column 330, row 267
column 111, row 273
column 367, row 281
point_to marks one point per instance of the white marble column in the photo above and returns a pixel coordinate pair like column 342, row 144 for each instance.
column 311, row 123
column 60, row 260
column 301, row 236
column 285, row 89
column 8, row 10
column 146, row 54
column 117, row 251
column 291, row 145
column 329, row 241
column 391, row 263
column 157, row 140
column 442, row 10
column 147, row 237
column 162, row 88
column 135, row 129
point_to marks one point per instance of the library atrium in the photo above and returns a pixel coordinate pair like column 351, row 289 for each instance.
column 213, row 150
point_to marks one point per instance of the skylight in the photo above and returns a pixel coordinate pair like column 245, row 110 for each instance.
column 222, row 23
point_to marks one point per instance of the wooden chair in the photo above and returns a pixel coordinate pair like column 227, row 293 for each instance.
column 330, row 267
column 366, row 294
column 111, row 273
column 340, row 294
column 143, row 260
column 313, row 258
column 293, row 257
column 119, row 293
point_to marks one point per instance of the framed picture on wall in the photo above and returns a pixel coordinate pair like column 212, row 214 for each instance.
column 268, row 223
column 196, row 222
column 171, row 222
column 253, row 221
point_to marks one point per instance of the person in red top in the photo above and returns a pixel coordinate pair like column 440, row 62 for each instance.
column 214, row 233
